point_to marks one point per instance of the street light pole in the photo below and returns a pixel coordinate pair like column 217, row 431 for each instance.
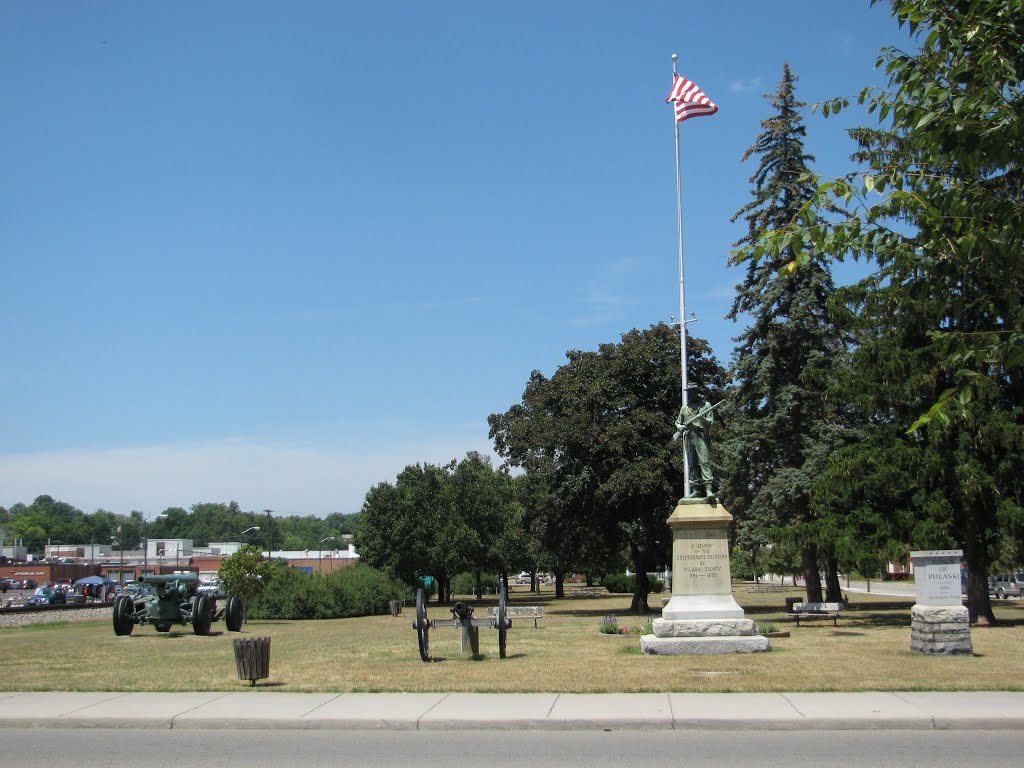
column 320, row 561
column 145, row 541
column 247, row 530
column 270, row 530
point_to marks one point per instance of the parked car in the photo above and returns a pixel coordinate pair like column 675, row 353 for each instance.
column 48, row 596
column 28, row 584
column 1006, row 585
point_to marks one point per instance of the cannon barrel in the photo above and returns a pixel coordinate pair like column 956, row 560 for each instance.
column 167, row 578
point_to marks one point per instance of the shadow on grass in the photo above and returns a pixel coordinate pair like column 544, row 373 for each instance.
column 599, row 613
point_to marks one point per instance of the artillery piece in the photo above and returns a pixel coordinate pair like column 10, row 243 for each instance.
column 462, row 618
column 174, row 599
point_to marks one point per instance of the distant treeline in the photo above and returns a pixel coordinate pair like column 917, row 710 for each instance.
column 47, row 520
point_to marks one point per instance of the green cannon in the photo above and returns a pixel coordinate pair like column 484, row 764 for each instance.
column 168, row 599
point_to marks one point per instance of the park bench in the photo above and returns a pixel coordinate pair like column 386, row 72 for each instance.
column 807, row 611
column 535, row 612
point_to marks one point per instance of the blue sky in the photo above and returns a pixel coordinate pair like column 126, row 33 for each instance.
column 274, row 252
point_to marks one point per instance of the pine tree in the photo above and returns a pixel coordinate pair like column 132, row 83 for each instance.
column 939, row 213
column 780, row 430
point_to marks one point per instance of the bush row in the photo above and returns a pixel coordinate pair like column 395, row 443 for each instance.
column 356, row 591
column 465, row 583
column 621, row 583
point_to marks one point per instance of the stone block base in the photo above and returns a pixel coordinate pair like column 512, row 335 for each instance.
column 687, row 607
column 702, row 627
column 703, row 646
column 940, row 630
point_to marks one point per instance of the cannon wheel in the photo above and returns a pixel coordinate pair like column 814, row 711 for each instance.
column 502, row 626
column 124, row 607
column 202, row 616
column 234, row 614
column 422, row 626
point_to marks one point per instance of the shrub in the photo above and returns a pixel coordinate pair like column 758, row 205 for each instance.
column 356, row 591
column 609, row 626
column 292, row 594
column 365, row 591
column 620, row 583
column 465, row 583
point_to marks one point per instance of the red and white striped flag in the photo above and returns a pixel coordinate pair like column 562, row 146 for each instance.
column 690, row 100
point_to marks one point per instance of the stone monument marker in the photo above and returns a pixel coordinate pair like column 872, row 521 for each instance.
column 702, row 616
column 939, row 622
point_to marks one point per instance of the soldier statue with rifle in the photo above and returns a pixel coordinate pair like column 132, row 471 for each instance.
column 694, row 424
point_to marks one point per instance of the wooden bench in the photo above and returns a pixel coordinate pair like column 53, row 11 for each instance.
column 817, row 611
column 535, row 612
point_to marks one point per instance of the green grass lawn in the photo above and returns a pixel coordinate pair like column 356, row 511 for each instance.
column 869, row 650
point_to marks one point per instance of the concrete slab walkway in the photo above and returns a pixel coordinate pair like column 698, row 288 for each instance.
column 981, row 710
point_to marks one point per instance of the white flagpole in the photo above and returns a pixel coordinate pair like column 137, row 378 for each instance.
column 682, row 281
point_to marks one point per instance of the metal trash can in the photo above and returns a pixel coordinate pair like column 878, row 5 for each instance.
column 252, row 658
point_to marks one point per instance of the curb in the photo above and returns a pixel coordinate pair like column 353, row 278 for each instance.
column 976, row 710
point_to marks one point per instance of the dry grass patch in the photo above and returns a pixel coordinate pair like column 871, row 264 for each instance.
column 869, row 650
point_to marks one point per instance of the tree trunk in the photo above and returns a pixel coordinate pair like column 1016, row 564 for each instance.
column 809, row 564
column 979, row 605
column 833, row 588
column 559, row 584
column 639, row 604
column 443, row 597
column 479, row 587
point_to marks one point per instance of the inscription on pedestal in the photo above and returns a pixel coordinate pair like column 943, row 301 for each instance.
column 701, row 562
column 937, row 576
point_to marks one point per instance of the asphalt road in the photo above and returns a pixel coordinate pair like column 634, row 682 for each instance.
column 87, row 748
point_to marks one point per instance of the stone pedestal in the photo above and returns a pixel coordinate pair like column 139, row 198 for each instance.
column 940, row 630
column 702, row 617
column 939, row 623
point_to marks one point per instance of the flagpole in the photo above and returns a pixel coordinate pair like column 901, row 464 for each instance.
column 682, row 283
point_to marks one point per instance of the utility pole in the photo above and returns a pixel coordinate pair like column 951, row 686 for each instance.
column 270, row 532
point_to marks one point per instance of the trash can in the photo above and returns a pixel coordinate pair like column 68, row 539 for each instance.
column 252, row 658
column 791, row 601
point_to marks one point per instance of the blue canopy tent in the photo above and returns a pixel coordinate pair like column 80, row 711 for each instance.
column 99, row 581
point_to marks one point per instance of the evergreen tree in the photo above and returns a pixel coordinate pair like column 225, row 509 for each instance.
column 940, row 214
column 780, row 427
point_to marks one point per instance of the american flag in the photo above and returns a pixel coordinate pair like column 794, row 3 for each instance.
column 690, row 100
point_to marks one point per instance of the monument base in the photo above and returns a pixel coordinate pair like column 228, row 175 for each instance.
column 685, row 607
column 703, row 646
column 940, row 630
column 702, row 618
column 703, row 628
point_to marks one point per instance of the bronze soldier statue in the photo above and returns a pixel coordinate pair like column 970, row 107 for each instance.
column 694, row 424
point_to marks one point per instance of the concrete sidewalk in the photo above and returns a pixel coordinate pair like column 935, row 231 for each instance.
column 527, row 711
